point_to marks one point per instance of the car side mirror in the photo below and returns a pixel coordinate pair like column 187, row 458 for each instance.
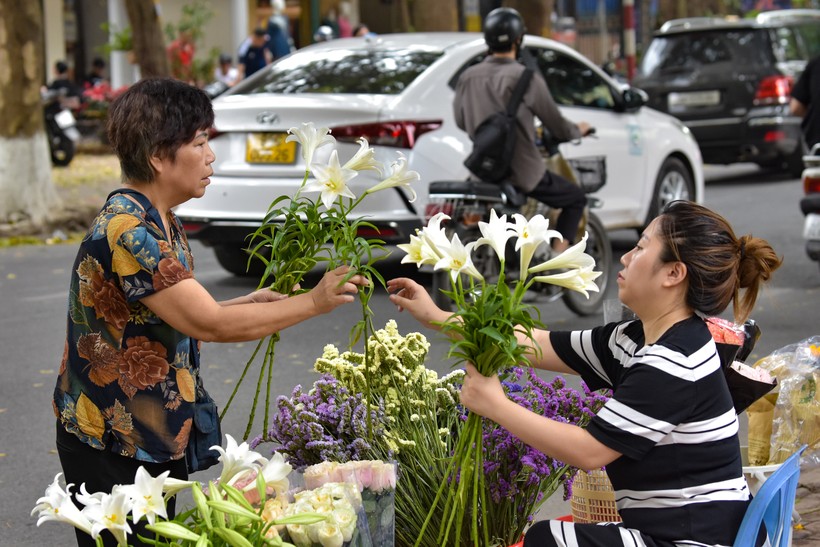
column 634, row 99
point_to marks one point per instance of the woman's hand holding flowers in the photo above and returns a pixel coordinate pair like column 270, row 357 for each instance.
column 267, row 295
column 333, row 290
column 482, row 395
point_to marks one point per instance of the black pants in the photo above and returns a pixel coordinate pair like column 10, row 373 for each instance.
column 100, row 470
column 555, row 533
column 560, row 193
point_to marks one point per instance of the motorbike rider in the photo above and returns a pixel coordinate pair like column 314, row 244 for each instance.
column 805, row 101
column 485, row 88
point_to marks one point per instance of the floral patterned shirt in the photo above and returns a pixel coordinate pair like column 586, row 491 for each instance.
column 127, row 379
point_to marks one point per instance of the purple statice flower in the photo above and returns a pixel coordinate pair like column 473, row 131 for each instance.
column 327, row 423
column 517, row 472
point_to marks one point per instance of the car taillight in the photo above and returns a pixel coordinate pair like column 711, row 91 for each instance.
column 401, row 134
column 774, row 90
column 213, row 133
column 811, row 183
column 191, row 226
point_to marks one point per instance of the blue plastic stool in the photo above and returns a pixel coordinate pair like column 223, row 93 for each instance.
column 773, row 506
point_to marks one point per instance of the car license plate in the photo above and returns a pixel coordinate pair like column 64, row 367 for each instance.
column 682, row 101
column 811, row 229
column 270, row 148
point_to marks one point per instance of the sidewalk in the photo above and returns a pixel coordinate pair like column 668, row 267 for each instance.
column 807, row 505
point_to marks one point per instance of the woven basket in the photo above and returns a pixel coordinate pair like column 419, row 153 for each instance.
column 593, row 498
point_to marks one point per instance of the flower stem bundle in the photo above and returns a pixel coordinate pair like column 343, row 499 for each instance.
column 299, row 233
column 492, row 329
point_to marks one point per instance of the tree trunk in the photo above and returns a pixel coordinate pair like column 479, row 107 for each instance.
column 26, row 189
column 434, row 15
column 535, row 14
column 401, row 17
column 149, row 45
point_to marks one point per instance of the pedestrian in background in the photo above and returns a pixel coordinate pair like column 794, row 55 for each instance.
column 805, row 101
column 254, row 54
column 97, row 74
column 130, row 370
column 64, row 86
column 279, row 40
column 225, row 72
column 181, row 56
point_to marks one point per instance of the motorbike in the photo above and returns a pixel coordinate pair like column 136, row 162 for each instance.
column 810, row 202
column 467, row 202
column 61, row 129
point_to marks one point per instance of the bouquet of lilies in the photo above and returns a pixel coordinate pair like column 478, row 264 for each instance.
column 298, row 233
column 235, row 509
column 487, row 330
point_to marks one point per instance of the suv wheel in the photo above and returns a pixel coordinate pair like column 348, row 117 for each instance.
column 674, row 182
column 794, row 162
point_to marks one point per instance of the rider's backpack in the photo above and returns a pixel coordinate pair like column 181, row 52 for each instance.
column 494, row 138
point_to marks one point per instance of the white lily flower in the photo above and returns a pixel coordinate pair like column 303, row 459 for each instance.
column 146, row 493
column 57, row 505
column 275, row 473
column 235, row 458
column 495, row 233
column 86, row 498
column 580, row 280
column 457, row 259
column 399, row 176
column 364, row 159
column 531, row 233
column 310, row 138
column 331, row 180
column 572, row 259
column 110, row 514
column 413, row 250
column 174, row 486
column 435, row 236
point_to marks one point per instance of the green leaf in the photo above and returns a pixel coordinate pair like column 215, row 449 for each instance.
column 232, row 537
column 301, row 518
column 233, row 509
column 173, row 530
column 237, row 496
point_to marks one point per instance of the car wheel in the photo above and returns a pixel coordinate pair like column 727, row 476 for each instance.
column 674, row 182
column 234, row 258
column 794, row 162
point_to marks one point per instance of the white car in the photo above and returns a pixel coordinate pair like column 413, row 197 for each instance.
column 397, row 91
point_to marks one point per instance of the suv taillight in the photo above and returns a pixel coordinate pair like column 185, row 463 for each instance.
column 811, row 183
column 213, row 133
column 774, row 90
column 401, row 134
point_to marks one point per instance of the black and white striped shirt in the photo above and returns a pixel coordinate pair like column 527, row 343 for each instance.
column 671, row 416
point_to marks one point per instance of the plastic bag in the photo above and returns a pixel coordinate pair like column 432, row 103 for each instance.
column 796, row 419
column 734, row 343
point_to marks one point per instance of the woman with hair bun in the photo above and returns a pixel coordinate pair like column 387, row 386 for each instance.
column 669, row 435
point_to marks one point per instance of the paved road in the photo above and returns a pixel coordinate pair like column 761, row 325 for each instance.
column 33, row 282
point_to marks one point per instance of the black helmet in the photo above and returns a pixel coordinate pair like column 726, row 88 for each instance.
column 503, row 27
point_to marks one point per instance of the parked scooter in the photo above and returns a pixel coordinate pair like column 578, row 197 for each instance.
column 810, row 202
column 467, row 202
column 61, row 129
